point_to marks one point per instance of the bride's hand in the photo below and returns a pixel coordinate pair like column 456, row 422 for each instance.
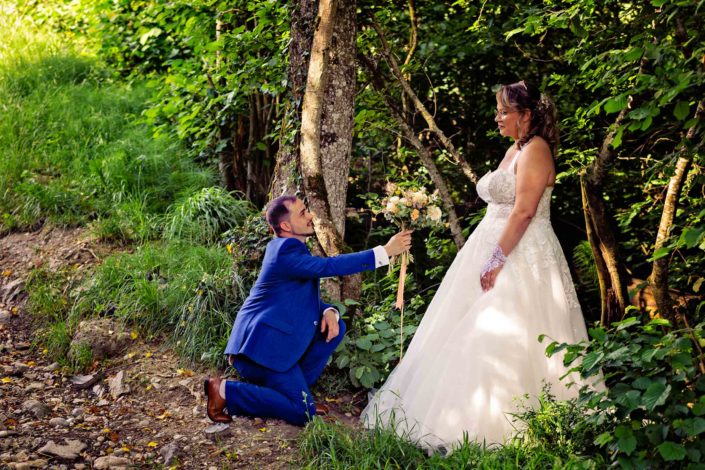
column 492, row 268
column 488, row 278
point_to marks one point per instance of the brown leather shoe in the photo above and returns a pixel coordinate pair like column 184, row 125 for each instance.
column 216, row 404
column 322, row 409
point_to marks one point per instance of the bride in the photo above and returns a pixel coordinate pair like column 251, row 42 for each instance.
column 476, row 350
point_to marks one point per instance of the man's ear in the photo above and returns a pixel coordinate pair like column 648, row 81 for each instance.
column 285, row 226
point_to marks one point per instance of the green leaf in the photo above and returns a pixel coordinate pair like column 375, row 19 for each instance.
column 359, row 371
column 627, row 444
column 681, row 110
column 363, row 343
column 592, row 358
column 633, row 54
column 598, row 334
column 656, row 395
column 604, row 438
column 660, row 253
column 671, row 451
column 617, row 139
column 342, row 361
column 616, row 104
column 631, row 400
column 658, row 3
column 693, row 426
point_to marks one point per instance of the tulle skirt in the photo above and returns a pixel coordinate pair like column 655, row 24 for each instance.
column 476, row 354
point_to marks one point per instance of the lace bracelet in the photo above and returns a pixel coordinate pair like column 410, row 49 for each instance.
column 497, row 260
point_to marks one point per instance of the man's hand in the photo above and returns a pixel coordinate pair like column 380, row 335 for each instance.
column 399, row 243
column 330, row 322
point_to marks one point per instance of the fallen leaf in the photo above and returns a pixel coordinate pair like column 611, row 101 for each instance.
column 45, row 350
column 148, row 354
column 31, row 364
column 114, row 436
column 152, row 444
column 6, row 380
column 7, row 273
column 262, row 429
column 130, row 355
column 149, row 387
column 185, row 372
column 163, row 415
column 133, row 335
column 125, row 449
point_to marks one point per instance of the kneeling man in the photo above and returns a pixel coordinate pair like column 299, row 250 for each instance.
column 284, row 333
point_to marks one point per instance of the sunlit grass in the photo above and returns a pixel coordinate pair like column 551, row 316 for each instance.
column 72, row 148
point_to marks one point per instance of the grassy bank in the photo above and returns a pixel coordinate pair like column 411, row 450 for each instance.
column 72, row 149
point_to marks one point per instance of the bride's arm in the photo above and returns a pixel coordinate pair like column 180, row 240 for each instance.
column 534, row 168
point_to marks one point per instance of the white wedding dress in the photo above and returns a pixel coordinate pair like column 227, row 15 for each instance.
column 475, row 353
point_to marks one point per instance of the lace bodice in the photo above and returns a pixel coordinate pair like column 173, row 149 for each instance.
column 497, row 188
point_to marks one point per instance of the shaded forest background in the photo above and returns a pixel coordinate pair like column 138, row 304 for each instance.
column 166, row 126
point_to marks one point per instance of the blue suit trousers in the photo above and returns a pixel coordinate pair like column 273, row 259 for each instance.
column 284, row 395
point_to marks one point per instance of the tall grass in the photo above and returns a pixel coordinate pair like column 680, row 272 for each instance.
column 335, row 446
column 183, row 290
column 72, row 149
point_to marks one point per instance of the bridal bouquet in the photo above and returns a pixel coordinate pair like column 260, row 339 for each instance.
column 409, row 208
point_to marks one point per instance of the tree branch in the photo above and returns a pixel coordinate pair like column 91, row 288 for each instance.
column 420, row 107
column 424, row 153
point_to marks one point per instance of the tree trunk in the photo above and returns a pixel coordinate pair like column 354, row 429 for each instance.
column 659, row 272
column 611, row 273
column 311, row 167
column 337, row 124
column 424, row 154
column 286, row 177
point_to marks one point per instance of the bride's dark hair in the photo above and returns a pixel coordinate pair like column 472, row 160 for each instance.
column 524, row 96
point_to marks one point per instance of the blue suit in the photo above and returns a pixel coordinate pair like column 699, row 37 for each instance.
column 276, row 338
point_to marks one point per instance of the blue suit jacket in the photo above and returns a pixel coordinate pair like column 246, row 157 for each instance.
column 282, row 314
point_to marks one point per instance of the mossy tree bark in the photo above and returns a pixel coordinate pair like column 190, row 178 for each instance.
column 658, row 280
column 611, row 273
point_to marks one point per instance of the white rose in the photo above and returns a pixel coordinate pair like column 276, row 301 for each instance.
column 420, row 199
column 434, row 213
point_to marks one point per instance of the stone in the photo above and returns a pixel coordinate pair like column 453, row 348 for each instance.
column 104, row 336
column 34, row 386
column 7, row 433
column 81, row 382
column 217, row 431
column 69, row 451
column 11, row 290
column 38, row 463
column 76, row 412
column 59, row 422
column 118, row 386
column 38, row 409
column 169, row 453
column 110, row 461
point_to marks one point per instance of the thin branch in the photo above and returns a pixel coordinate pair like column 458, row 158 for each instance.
column 420, row 107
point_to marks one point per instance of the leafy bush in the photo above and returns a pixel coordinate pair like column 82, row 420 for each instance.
column 206, row 216
column 654, row 406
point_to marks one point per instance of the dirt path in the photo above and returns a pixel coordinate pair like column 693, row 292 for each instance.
column 159, row 423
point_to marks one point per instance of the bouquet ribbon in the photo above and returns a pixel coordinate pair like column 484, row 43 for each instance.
column 404, row 261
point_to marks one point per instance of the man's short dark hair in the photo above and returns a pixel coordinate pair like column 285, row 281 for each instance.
column 277, row 211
